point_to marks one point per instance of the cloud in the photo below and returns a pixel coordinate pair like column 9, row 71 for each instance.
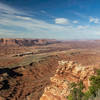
column 61, row 21
column 19, row 24
column 75, row 21
column 23, row 18
column 91, row 19
column 43, row 11
column 8, row 10
column 82, row 27
column 94, row 20
column 80, row 14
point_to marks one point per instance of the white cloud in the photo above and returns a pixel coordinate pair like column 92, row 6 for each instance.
column 18, row 25
column 94, row 20
column 9, row 10
column 91, row 19
column 43, row 11
column 23, row 18
column 82, row 27
column 75, row 21
column 61, row 21
column 80, row 15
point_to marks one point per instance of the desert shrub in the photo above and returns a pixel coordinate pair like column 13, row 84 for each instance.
column 93, row 92
column 86, row 95
column 76, row 91
column 95, row 84
column 97, row 97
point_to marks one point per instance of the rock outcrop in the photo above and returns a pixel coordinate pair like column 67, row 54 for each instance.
column 67, row 72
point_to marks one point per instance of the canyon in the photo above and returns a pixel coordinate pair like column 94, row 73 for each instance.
column 48, row 70
column 25, row 42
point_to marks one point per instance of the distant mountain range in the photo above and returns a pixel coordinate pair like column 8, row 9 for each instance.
column 26, row 42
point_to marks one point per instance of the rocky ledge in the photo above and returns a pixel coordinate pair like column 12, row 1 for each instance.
column 66, row 73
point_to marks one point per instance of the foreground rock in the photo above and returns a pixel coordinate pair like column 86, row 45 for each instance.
column 67, row 72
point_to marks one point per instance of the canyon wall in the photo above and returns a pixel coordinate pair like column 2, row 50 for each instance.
column 25, row 42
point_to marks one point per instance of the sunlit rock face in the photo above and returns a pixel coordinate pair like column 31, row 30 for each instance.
column 25, row 42
column 66, row 73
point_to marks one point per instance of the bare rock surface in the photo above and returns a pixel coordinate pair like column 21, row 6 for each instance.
column 66, row 73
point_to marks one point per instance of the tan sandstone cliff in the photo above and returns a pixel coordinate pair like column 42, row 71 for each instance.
column 67, row 72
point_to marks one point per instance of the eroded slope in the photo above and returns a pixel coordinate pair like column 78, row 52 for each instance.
column 27, row 82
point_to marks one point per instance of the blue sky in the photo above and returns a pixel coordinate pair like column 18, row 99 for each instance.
column 53, row 19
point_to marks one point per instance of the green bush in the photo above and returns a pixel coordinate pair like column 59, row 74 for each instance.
column 76, row 91
column 93, row 92
column 95, row 84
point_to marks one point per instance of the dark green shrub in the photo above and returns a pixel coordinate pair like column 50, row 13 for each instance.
column 76, row 92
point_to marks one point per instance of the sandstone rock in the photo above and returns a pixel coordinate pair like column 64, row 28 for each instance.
column 67, row 72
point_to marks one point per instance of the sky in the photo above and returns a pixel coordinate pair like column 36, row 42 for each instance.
column 52, row 19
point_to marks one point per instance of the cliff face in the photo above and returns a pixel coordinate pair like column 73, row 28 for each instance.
column 25, row 42
column 66, row 73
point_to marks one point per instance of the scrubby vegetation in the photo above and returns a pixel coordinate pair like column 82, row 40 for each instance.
column 93, row 92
